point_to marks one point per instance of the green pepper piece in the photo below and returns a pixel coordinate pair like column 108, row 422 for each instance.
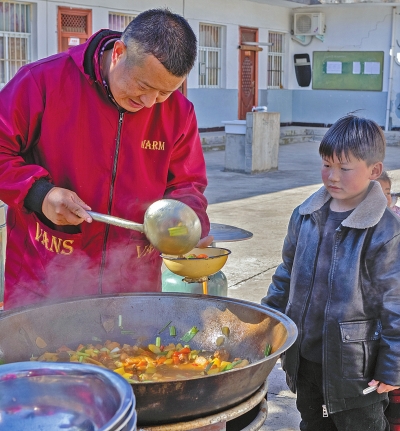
column 190, row 334
column 209, row 365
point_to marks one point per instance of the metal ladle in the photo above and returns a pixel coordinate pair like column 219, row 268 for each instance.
column 171, row 226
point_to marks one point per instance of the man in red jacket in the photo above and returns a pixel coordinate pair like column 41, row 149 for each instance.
column 99, row 127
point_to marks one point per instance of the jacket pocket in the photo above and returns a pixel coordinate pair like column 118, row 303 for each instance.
column 359, row 347
column 50, row 253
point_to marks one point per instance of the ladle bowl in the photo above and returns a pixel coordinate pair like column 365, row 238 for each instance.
column 171, row 226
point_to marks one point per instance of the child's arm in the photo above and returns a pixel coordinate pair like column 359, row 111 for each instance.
column 385, row 275
column 278, row 292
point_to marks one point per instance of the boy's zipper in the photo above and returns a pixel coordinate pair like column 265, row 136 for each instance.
column 307, row 303
column 337, row 237
column 324, row 411
column 110, row 199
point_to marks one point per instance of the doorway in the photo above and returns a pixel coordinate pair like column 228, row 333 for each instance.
column 74, row 27
column 248, row 59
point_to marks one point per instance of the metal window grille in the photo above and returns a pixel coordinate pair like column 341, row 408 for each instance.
column 15, row 38
column 119, row 21
column 210, row 56
column 276, row 55
column 73, row 23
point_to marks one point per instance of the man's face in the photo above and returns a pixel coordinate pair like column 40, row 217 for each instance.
column 347, row 181
column 139, row 86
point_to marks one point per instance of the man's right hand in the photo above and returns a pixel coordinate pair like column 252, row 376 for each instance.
column 64, row 207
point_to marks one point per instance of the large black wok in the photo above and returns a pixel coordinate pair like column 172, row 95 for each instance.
column 78, row 320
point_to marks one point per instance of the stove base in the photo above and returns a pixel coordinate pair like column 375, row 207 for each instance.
column 247, row 416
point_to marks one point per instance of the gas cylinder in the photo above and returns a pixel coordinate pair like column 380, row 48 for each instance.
column 217, row 284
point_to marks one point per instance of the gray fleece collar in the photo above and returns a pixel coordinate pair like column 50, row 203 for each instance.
column 365, row 215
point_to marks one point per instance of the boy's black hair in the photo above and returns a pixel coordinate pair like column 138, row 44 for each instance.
column 165, row 35
column 352, row 135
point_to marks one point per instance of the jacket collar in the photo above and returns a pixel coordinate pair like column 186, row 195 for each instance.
column 362, row 217
column 86, row 55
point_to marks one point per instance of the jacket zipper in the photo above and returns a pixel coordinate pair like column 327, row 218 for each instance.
column 324, row 352
column 300, row 329
column 110, row 199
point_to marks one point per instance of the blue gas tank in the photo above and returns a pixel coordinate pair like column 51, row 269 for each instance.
column 217, row 284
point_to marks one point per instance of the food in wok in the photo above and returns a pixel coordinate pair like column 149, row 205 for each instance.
column 155, row 362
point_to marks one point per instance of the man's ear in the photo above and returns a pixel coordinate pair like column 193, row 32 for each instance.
column 376, row 171
column 119, row 51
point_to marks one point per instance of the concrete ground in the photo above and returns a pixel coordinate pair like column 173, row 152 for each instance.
column 262, row 204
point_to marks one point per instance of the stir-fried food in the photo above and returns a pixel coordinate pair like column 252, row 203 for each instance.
column 154, row 363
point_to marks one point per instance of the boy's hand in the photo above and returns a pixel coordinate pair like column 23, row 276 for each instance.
column 382, row 387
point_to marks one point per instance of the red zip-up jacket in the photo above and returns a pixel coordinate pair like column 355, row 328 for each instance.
column 57, row 122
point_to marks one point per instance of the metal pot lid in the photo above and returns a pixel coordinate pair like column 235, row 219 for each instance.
column 227, row 233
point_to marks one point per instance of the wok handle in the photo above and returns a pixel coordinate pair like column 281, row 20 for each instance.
column 116, row 221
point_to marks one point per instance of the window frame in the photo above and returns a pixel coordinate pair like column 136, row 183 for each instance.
column 204, row 53
column 7, row 71
column 121, row 15
column 274, row 58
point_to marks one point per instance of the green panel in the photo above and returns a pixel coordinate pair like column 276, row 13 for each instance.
column 347, row 80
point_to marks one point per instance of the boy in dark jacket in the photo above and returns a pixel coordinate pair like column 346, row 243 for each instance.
column 340, row 283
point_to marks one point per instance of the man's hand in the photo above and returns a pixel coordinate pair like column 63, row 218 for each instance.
column 64, row 207
column 205, row 242
column 382, row 387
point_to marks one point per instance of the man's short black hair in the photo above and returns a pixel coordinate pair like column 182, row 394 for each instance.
column 166, row 36
column 352, row 135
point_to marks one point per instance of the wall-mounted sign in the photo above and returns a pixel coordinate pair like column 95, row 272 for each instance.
column 348, row 70
column 73, row 41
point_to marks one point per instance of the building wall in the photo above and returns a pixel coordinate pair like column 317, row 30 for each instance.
column 348, row 27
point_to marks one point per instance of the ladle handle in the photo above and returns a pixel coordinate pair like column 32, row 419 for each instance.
column 116, row 221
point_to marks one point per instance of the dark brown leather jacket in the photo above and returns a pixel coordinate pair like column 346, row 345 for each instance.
column 361, row 329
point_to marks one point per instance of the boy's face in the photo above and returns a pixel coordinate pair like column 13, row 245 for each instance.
column 386, row 190
column 348, row 181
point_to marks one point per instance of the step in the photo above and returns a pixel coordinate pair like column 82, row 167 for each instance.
column 215, row 141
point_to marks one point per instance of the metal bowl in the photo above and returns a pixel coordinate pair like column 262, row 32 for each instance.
column 196, row 268
column 48, row 396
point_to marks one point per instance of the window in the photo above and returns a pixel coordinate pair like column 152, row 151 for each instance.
column 275, row 60
column 210, row 56
column 15, row 38
column 119, row 21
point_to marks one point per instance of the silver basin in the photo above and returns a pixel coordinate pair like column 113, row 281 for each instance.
column 74, row 397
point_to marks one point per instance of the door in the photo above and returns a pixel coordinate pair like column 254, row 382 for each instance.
column 74, row 27
column 248, row 87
